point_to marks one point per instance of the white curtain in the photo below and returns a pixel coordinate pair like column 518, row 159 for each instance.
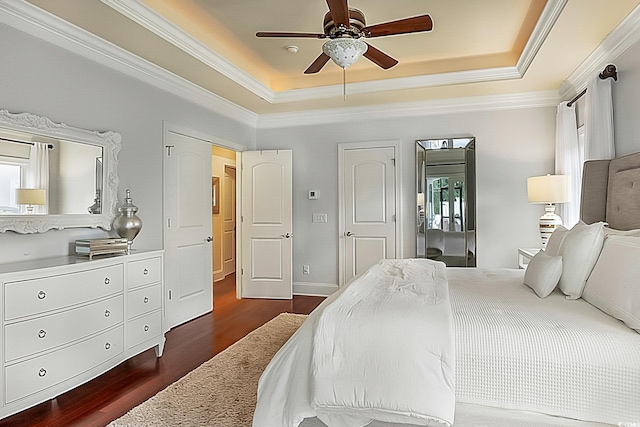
column 38, row 172
column 598, row 120
column 568, row 161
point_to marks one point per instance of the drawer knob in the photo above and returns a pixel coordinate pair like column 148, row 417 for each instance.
column 107, row 313
column 146, row 300
column 146, row 328
column 42, row 372
column 42, row 333
column 107, row 280
column 42, row 295
column 145, row 271
column 107, row 345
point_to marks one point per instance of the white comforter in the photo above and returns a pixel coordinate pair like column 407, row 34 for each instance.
column 351, row 361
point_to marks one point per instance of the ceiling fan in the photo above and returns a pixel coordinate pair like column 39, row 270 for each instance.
column 344, row 27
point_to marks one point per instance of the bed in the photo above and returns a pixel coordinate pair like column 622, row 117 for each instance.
column 562, row 350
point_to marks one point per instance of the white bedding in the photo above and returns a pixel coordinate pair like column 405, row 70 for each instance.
column 551, row 355
column 363, row 365
column 513, row 351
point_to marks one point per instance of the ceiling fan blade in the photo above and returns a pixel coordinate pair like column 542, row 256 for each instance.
column 401, row 26
column 379, row 58
column 317, row 64
column 290, row 35
column 339, row 10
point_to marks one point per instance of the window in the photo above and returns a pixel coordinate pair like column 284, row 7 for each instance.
column 11, row 174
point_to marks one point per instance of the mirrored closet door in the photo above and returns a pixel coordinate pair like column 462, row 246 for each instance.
column 445, row 200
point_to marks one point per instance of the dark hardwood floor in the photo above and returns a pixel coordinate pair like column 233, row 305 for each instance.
column 112, row 394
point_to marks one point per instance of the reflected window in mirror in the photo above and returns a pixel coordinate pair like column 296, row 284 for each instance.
column 445, row 200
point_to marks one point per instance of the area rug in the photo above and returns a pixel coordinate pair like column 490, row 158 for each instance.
column 222, row 391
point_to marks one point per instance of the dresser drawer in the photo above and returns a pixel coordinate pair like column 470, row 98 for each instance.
column 33, row 375
column 143, row 300
column 144, row 272
column 144, row 328
column 46, row 332
column 29, row 297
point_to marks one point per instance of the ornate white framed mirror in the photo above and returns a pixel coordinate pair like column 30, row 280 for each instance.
column 54, row 176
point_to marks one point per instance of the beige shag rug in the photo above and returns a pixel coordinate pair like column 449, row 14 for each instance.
column 222, row 391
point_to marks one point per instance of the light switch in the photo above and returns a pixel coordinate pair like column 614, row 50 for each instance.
column 319, row 217
column 314, row 194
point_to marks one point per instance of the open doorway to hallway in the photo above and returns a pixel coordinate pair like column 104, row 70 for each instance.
column 223, row 216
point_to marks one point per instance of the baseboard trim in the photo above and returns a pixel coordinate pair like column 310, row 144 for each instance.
column 314, row 289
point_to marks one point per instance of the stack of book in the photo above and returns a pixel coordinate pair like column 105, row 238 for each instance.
column 92, row 247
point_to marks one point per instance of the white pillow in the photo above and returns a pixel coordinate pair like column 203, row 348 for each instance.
column 579, row 250
column 613, row 232
column 543, row 273
column 555, row 241
column 613, row 285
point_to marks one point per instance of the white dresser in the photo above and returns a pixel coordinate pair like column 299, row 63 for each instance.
column 67, row 320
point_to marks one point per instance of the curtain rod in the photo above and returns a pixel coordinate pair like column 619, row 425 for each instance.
column 609, row 71
column 49, row 146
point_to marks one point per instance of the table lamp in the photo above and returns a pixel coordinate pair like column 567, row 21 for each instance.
column 548, row 189
column 31, row 197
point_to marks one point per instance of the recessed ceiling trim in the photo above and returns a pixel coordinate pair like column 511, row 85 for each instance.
column 148, row 18
column 543, row 27
column 151, row 20
column 429, row 80
column 621, row 38
column 509, row 101
column 32, row 20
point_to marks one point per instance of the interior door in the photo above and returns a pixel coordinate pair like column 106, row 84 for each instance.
column 229, row 220
column 187, row 210
column 267, row 224
column 369, row 193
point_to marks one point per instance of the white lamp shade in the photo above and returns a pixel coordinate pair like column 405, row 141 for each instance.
column 549, row 189
column 344, row 51
column 31, row 196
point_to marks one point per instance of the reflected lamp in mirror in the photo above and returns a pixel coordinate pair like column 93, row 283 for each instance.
column 548, row 190
column 31, row 197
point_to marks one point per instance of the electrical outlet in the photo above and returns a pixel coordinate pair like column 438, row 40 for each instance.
column 305, row 269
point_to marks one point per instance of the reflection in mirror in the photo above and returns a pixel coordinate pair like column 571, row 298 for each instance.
column 75, row 170
column 445, row 200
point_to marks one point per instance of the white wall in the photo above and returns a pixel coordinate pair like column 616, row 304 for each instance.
column 511, row 146
column 626, row 102
column 40, row 78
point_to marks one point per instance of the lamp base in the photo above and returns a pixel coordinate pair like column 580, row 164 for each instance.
column 548, row 223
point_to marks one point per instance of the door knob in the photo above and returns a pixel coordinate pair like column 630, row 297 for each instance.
column 287, row 236
column 348, row 234
column 209, row 239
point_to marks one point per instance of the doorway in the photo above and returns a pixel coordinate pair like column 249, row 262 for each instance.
column 223, row 212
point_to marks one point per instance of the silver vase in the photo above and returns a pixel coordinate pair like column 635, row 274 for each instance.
column 127, row 224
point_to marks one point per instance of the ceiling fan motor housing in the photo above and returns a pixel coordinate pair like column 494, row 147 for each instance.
column 356, row 23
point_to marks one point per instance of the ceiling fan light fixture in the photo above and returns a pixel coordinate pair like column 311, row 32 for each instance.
column 344, row 51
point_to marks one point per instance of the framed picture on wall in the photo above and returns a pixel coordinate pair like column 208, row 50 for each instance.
column 215, row 194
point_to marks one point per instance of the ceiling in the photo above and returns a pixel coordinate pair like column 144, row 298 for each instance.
column 479, row 47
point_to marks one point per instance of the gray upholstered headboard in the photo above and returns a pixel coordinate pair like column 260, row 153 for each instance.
column 611, row 192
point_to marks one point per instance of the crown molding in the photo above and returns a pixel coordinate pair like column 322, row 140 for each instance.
column 154, row 22
column 618, row 41
column 412, row 109
column 32, row 20
column 160, row 26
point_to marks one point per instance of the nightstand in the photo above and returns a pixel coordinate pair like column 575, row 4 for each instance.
column 525, row 255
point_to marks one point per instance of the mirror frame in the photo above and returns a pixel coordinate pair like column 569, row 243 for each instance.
column 109, row 141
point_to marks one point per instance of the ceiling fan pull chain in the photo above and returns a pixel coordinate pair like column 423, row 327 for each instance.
column 344, row 85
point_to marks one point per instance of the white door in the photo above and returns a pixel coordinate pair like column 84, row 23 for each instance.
column 369, row 203
column 229, row 219
column 266, row 224
column 187, row 239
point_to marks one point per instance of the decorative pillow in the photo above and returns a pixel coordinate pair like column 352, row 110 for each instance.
column 543, row 273
column 613, row 284
column 580, row 249
column 555, row 241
